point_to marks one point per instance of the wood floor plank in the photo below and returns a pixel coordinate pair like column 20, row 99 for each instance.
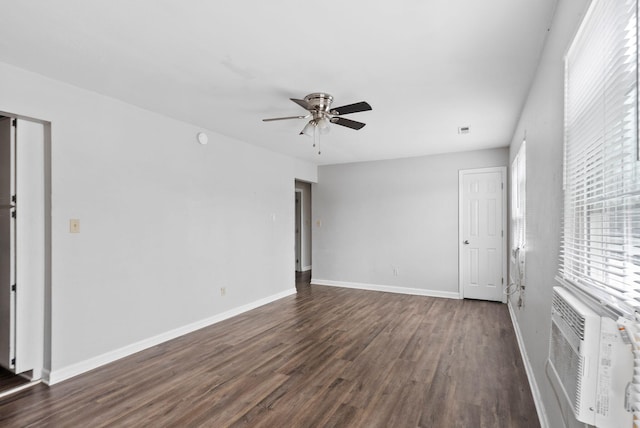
column 323, row 357
column 399, row 399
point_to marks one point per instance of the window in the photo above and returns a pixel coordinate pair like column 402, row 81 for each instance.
column 601, row 230
column 518, row 199
column 518, row 218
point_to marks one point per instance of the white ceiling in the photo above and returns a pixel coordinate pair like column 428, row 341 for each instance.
column 426, row 67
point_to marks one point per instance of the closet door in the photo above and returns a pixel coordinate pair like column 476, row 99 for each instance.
column 7, row 243
column 22, row 245
column 30, row 247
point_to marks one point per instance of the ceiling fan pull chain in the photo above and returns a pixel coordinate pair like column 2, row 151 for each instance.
column 315, row 135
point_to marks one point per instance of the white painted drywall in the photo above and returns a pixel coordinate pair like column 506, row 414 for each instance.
column 165, row 222
column 542, row 120
column 372, row 217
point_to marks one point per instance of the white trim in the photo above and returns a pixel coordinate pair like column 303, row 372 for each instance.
column 503, row 172
column 387, row 288
column 579, row 29
column 535, row 391
column 306, row 268
column 46, row 375
column 299, row 239
column 55, row 376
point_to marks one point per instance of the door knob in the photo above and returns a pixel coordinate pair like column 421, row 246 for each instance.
column 466, row 242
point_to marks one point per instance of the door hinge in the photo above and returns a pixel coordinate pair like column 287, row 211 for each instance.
column 13, row 361
column 502, row 279
column 502, row 233
column 13, row 287
column 502, row 185
column 13, row 214
column 14, row 122
column 14, row 198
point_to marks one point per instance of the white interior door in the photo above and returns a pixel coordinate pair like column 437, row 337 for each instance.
column 7, row 243
column 30, row 247
column 482, row 241
column 22, row 246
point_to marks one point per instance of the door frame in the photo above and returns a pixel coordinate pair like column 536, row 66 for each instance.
column 298, row 222
column 503, row 173
column 304, row 188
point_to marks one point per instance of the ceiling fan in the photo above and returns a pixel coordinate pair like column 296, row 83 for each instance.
column 322, row 114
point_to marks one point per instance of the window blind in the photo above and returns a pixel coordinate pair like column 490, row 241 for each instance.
column 600, row 251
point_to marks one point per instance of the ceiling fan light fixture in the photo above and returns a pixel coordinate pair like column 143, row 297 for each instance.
column 309, row 128
column 323, row 125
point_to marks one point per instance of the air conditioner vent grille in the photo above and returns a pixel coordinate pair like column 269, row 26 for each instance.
column 568, row 364
column 575, row 321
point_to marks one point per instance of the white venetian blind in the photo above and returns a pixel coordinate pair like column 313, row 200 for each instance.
column 601, row 231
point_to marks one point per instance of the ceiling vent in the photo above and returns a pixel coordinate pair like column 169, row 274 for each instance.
column 463, row 130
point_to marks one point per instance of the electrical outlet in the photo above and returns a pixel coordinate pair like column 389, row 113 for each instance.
column 223, row 291
column 74, row 225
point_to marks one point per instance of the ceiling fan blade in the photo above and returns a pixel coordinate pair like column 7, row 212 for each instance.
column 285, row 118
column 301, row 103
column 347, row 122
column 351, row 108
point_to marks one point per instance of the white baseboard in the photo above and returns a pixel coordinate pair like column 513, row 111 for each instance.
column 46, row 375
column 306, row 268
column 535, row 391
column 55, row 376
column 387, row 288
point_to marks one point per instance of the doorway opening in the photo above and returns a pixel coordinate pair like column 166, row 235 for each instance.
column 24, row 250
column 302, row 232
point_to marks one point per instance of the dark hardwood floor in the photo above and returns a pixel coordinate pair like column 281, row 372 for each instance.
column 9, row 380
column 323, row 357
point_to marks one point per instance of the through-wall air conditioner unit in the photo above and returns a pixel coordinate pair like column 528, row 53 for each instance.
column 592, row 359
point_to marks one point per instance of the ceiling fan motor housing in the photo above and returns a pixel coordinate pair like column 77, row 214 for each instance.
column 319, row 101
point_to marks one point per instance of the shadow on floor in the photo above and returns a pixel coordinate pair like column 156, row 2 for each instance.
column 303, row 279
column 9, row 380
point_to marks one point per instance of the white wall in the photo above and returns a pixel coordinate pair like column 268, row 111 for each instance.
column 542, row 119
column 377, row 216
column 165, row 221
